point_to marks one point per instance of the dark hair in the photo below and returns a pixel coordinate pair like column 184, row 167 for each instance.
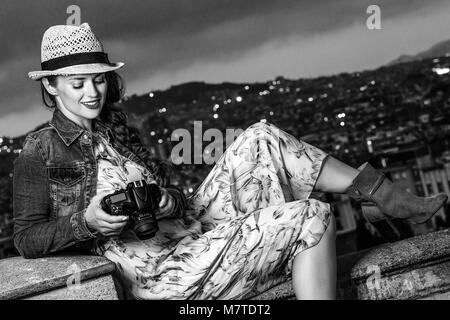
column 115, row 119
column 115, row 92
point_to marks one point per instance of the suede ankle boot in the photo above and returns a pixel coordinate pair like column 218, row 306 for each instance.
column 373, row 186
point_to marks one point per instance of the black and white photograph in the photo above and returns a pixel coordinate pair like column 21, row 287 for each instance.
column 251, row 152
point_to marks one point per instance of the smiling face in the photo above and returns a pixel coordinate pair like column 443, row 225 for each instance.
column 79, row 97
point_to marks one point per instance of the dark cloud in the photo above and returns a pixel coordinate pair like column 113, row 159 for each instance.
column 163, row 35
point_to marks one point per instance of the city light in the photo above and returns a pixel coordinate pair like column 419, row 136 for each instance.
column 414, row 101
column 369, row 146
column 441, row 71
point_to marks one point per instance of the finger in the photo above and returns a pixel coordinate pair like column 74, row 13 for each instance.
column 112, row 227
column 167, row 208
column 110, row 233
column 164, row 199
column 103, row 216
column 170, row 203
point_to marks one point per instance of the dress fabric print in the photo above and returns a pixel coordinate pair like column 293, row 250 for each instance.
column 243, row 227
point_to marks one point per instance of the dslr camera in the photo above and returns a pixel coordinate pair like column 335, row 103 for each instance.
column 138, row 201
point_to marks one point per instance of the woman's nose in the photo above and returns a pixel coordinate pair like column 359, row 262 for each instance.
column 92, row 90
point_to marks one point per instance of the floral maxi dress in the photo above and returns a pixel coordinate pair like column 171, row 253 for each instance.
column 244, row 224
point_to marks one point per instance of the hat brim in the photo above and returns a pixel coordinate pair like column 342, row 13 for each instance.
column 77, row 69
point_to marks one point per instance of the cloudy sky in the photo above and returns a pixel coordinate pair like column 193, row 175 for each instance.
column 168, row 42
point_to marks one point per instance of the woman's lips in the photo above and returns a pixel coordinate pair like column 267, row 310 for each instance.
column 95, row 104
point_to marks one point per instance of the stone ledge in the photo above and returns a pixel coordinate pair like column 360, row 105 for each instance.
column 22, row 278
column 413, row 268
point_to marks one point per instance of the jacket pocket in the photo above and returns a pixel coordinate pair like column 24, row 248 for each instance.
column 65, row 187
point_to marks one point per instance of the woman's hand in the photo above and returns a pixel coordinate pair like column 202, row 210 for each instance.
column 166, row 205
column 99, row 220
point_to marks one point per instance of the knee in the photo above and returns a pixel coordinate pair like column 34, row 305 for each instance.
column 263, row 130
column 322, row 210
column 260, row 125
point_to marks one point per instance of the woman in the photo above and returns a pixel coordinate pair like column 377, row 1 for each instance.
column 251, row 220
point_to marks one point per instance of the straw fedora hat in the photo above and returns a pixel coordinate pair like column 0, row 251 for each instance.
column 68, row 50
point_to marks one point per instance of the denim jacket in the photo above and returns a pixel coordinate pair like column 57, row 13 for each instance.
column 55, row 177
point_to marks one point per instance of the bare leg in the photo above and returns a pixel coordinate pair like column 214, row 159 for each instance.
column 335, row 176
column 314, row 270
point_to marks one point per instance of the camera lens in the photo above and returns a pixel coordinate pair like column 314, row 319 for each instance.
column 145, row 226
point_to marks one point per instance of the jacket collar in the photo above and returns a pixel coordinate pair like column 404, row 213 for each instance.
column 69, row 131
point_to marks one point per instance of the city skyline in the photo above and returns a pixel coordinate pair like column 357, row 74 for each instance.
column 168, row 43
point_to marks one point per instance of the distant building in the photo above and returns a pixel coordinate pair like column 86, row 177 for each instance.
column 436, row 180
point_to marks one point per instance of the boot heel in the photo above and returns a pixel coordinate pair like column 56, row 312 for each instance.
column 372, row 213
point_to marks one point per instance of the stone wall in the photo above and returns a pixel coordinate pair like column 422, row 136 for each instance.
column 413, row 268
column 57, row 277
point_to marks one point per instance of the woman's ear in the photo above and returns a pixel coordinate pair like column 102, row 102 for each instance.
column 50, row 89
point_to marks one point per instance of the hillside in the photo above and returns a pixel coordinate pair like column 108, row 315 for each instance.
column 438, row 50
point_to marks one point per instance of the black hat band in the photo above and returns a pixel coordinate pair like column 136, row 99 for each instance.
column 74, row 59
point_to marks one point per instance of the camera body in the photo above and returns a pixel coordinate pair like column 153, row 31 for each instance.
column 138, row 201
